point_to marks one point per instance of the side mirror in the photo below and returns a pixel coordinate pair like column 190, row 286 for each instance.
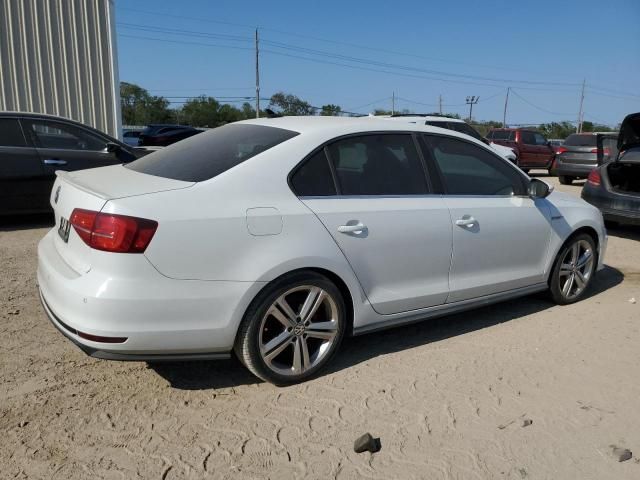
column 112, row 147
column 539, row 189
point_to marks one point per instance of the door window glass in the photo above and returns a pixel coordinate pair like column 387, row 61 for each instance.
column 11, row 133
column 540, row 140
column 528, row 138
column 471, row 170
column 313, row 178
column 64, row 136
column 378, row 165
column 466, row 129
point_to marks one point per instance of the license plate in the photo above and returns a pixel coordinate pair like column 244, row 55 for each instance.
column 63, row 229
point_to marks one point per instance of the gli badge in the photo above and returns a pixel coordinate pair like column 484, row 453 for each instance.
column 57, row 195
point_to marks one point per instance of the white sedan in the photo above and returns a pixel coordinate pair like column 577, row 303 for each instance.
column 275, row 238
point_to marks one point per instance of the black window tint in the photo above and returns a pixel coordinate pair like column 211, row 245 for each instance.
column 471, row 170
column 378, row 165
column 59, row 135
column 208, row 154
column 501, row 135
column 466, row 129
column 540, row 140
column 527, row 138
column 313, row 178
column 438, row 124
column 11, row 133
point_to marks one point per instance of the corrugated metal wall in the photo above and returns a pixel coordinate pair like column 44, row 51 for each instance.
column 59, row 57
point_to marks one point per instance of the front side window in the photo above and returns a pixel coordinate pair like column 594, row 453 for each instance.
column 468, row 169
column 57, row 135
column 378, row 165
column 313, row 178
column 11, row 133
column 528, row 138
column 540, row 140
column 211, row 153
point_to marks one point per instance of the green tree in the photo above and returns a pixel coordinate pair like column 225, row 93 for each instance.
column 288, row 104
column 557, row 129
column 330, row 110
column 201, row 111
column 140, row 108
column 248, row 111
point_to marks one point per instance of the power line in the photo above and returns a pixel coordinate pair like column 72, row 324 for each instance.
column 185, row 42
column 536, row 106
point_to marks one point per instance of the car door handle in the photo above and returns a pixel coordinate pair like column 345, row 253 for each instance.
column 54, row 161
column 466, row 221
column 357, row 228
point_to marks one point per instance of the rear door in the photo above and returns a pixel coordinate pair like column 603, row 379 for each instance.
column 529, row 150
column 500, row 235
column 545, row 151
column 64, row 146
column 23, row 186
column 395, row 234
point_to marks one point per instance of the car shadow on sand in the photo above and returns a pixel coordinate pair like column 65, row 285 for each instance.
column 630, row 232
column 224, row 374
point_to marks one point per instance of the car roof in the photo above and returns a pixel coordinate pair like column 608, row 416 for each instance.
column 419, row 117
column 331, row 127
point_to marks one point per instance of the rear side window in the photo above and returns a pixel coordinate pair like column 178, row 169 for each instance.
column 209, row 154
column 527, row 138
column 62, row 136
column 378, row 165
column 576, row 140
column 313, row 178
column 11, row 133
column 468, row 169
column 466, row 129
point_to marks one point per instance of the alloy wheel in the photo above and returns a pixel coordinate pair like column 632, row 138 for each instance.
column 576, row 269
column 298, row 329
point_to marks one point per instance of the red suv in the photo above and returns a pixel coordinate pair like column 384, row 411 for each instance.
column 532, row 149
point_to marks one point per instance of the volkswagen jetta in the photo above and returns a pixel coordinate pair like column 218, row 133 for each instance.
column 275, row 238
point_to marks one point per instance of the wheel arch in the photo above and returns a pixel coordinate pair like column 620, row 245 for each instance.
column 586, row 229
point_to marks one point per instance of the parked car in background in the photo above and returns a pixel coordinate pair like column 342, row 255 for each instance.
column 355, row 225
column 161, row 135
column 578, row 155
column 614, row 187
column 33, row 146
column 456, row 125
column 555, row 142
column 531, row 148
column 131, row 137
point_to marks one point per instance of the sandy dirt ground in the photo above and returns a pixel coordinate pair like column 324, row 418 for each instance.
column 446, row 397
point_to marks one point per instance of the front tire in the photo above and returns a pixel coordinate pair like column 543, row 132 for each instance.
column 573, row 270
column 292, row 329
column 565, row 179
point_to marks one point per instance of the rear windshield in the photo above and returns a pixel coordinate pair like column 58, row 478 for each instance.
column 207, row 155
column 576, row 140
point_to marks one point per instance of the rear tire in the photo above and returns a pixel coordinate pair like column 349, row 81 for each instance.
column 292, row 329
column 565, row 179
column 573, row 270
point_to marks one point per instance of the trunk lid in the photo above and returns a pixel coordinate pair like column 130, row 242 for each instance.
column 91, row 190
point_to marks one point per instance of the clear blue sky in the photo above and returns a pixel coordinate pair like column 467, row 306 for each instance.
column 417, row 49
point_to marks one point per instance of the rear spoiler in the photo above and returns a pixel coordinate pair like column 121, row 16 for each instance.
column 68, row 178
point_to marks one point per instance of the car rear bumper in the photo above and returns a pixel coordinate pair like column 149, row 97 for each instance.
column 159, row 318
column 574, row 169
column 614, row 206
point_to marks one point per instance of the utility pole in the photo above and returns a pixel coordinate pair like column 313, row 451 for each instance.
column 471, row 101
column 257, row 79
column 393, row 103
column 581, row 112
column 504, row 115
column 440, row 103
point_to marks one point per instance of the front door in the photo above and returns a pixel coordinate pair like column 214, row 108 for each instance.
column 395, row 234
column 23, row 186
column 500, row 235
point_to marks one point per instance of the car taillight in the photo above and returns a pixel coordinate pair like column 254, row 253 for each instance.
column 594, row 177
column 560, row 150
column 113, row 233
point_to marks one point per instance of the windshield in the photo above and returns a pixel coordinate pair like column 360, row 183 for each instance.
column 207, row 155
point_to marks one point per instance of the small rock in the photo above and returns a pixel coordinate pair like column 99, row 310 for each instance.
column 23, row 423
column 620, row 454
column 526, row 422
column 632, row 300
column 367, row 443
column 14, row 312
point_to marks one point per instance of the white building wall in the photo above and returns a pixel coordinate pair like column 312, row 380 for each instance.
column 59, row 57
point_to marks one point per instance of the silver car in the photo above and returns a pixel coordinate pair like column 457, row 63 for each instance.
column 578, row 155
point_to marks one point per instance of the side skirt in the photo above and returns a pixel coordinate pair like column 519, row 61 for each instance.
column 450, row 308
